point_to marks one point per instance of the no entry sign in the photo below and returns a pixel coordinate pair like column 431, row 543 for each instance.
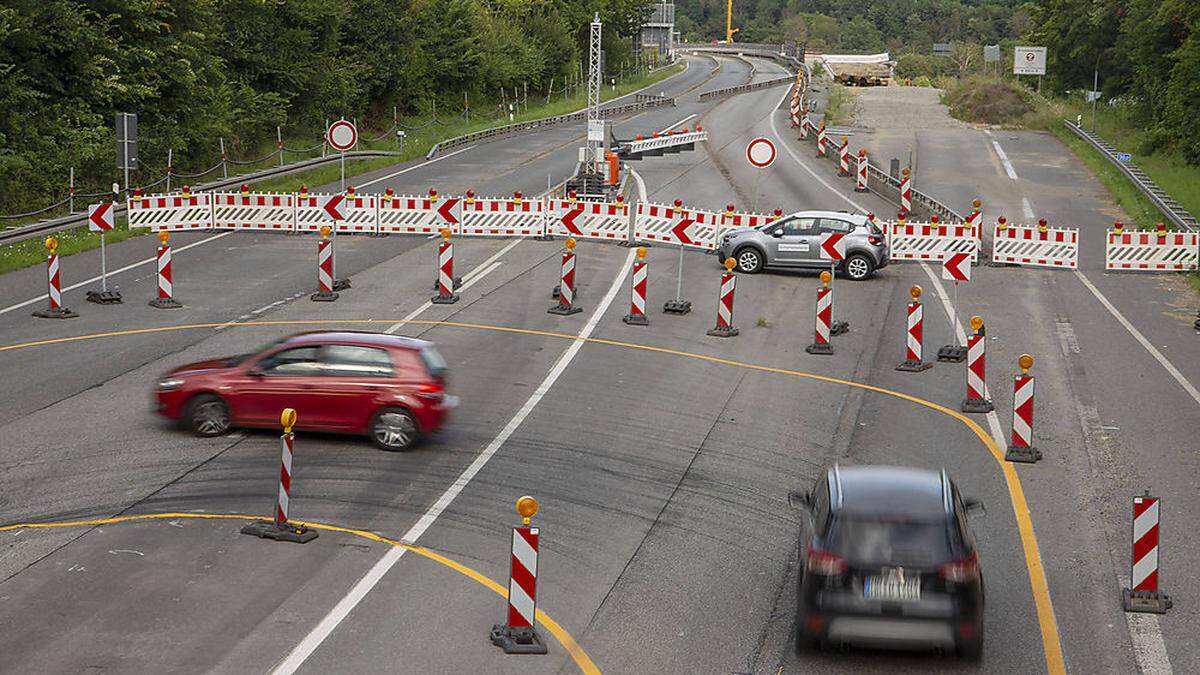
column 342, row 135
column 760, row 152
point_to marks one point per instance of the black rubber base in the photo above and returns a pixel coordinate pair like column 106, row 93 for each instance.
column 60, row 313
column 723, row 332
column 843, row 174
column 165, row 303
column 913, row 366
column 839, row 328
column 517, row 640
column 952, row 354
column 104, row 297
column 1152, row 602
column 862, row 190
column 266, row 529
column 677, row 306
column 1023, row 455
column 323, row 296
column 977, row 405
column 566, row 310
column 557, row 291
column 821, row 349
column 457, row 283
column 341, row 284
column 625, row 243
column 444, row 299
column 636, row 320
column 993, row 263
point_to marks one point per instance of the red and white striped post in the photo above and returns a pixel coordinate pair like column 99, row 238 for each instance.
column 1022, row 449
column 844, row 158
column 325, row 291
column 166, row 290
column 975, row 222
column 914, row 335
column 795, row 108
column 821, row 140
column 804, row 124
column 1143, row 594
column 279, row 528
column 519, row 634
column 905, row 191
column 860, row 182
column 54, row 307
column 445, row 281
column 824, row 318
column 977, row 400
column 637, row 291
column 566, row 288
column 724, row 327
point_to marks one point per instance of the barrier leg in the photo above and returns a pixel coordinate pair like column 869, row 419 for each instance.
column 519, row 634
column 279, row 528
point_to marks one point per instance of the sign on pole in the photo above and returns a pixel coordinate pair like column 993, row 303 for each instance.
column 760, row 152
column 127, row 138
column 342, row 135
column 956, row 267
column 833, row 246
column 1029, row 60
column 991, row 53
column 100, row 217
column 1124, row 157
column 595, row 131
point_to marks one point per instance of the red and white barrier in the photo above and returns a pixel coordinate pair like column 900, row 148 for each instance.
column 171, row 213
column 516, row 217
column 975, row 221
column 419, row 215
column 54, row 307
column 588, row 219
column 914, row 335
column 637, row 292
column 1158, row 251
column 362, row 213
column 166, row 287
column 518, row 634
column 860, row 181
column 566, row 287
column 724, row 327
column 314, row 211
column 1039, row 246
column 821, row 139
column 324, row 269
column 1143, row 594
column 279, row 528
column 805, row 124
column 844, row 158
column 676, row 225
column 1022, row 448
column 445, row 277
column 257, row 211
column 795, row 110
column 929, row 242
column 905, row 192
column 823, row 318
column 977, row 400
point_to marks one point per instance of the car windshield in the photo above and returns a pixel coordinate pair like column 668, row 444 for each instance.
column 242, row 358
column 891, row 542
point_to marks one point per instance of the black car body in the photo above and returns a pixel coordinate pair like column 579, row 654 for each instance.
column 888, row 560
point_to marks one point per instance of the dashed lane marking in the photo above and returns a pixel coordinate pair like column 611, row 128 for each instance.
column 578, row 655
column 1051, row 642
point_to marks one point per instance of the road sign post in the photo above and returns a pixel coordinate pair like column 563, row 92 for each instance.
column 100, row 219
column 126, row 133
column 342, row 135
column 956, row 267
column 833, row 249
column 760, row 153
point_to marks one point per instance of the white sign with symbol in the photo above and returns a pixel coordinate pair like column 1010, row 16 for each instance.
column 760, row 152
column 1029, row 60
column 595, row 130
column 342, row 135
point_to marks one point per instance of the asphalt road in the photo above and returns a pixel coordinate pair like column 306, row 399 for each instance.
column 667, row 541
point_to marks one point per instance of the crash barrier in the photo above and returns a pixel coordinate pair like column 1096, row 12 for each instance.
column 259, row 211
column 419, row 215
column 676, row 225
column 1159, row 251
column 172, row 212
column 588, row 219
column 714, row 94
column 518, row 634
column 1039, row 246
column 929, row 242
column 1143, row 593
column 279, row 528
column 515, row 217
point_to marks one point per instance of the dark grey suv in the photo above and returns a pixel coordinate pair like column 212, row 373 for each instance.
column 794, row 241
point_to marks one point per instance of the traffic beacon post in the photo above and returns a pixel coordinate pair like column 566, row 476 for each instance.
column 279, row 528
column 54, row 307
column 914, row 335
column 519, row 634
column 1143, row 593
column 1022, row 448
column 824, row 318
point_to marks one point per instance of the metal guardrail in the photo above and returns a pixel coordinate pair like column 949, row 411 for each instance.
column 933, row 206
column 1178, row 215
column 16, row 234
column 767, row 51
column 743, row 88
column 641, row 102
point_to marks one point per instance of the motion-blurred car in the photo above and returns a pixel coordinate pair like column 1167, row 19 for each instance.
column 795, row 241
column 388, row 387
column 889, row 561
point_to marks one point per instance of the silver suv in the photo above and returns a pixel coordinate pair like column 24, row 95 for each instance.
column 795, row 241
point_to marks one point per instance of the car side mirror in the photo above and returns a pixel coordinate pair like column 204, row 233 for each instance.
column 799, row 498
column 777, row 233
column 974, row 506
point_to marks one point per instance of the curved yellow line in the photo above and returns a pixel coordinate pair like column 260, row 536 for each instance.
column 582, row 660
column 1048, row 625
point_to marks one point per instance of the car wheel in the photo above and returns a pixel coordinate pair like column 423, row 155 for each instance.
column 859, row 267
column 393, row 429
column 749, row 260
column 207, row 415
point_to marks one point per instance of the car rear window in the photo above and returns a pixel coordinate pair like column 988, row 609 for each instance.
column 897, row 542
column 434, row 363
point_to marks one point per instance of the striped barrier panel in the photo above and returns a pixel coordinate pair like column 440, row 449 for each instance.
column 502, row 218
column 171, row 213
column 587, row 219
column 676, row 225
column 1043, row 247
column 362, row 214
column 1159, row 251
column 927, row 242
column 419, row 215
column 257, row 211
column 732, row 219
column 313, row 211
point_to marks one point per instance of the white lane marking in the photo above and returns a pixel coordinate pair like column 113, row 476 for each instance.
column 641, row 184
column 1149, row 649
column 1008, row 167
column 414, row 167
column 677, row 123
column 1137, row 335
column 1028, row 208
column 343, row 608
column 126, row 268
column 804, row 166
column 471, row 277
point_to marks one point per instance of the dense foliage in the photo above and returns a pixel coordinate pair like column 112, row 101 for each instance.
column 196, row 70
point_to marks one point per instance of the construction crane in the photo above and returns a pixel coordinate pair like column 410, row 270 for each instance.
column 729, row 29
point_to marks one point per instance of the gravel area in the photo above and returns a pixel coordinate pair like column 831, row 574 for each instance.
column 902, row 108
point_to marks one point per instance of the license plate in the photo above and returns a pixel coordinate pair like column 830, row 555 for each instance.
column 892, row 588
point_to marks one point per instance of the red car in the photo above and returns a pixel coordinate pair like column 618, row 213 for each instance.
column 389, row 387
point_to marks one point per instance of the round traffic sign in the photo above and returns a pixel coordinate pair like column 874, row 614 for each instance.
column 342, row 135
column 760, row 152
column 1029, row 56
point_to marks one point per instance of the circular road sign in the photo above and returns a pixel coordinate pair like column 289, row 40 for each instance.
column 342, row 135
column 760, row 152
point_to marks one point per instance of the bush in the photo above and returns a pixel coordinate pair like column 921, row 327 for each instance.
column 986, row 100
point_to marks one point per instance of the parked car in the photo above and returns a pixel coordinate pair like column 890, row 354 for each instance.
column 794, row 241
column 889, row 561
column 388, row 387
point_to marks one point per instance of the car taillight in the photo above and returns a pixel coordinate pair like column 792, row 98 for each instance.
column 434, row 392
column 961, row 570
column 875, row 239
column 825, row 563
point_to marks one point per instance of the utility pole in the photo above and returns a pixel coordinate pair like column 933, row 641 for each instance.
column 729, row 29
column 593, row 92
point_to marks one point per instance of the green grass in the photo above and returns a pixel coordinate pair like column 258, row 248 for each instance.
column 1131, row 200
column 841, row 107
column 33, row 251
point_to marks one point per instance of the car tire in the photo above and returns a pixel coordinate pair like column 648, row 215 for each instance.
column 749, row 260
column 393, row 429
column 207, row 415
column 858, row 267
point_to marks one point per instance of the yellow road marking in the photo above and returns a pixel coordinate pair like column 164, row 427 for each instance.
column 564, row 638
column 1048, row 625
